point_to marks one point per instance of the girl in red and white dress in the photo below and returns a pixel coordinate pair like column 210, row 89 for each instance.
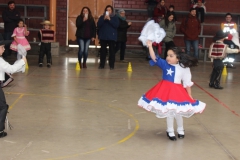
column 171, row 97
column 19, row 34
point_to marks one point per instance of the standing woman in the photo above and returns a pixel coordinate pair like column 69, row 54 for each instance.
column 122, row 34
column 168, row 24
column 107, row 25
column 86, row 31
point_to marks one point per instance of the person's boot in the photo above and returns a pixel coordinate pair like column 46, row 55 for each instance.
column 84, row 65
column 217, row 86
column 3, row 134
column 80, row 65
column 217, row 81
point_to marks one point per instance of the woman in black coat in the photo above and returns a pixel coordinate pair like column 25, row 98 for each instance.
column 122, row 34
column 86, row 31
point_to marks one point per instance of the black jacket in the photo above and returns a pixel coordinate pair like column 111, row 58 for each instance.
column 81, row 28
column 122, row 30
column 10, row 19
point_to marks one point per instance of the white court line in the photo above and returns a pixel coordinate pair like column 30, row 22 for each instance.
column 45, row 151
column 20, row 152
column 9, row 141
column 129, row 124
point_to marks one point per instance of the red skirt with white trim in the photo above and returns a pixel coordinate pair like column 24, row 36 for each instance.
column 170, row 99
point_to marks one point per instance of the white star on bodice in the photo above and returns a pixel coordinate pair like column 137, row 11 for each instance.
column 169, row 72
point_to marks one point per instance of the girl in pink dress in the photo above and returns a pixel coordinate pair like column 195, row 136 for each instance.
column 19, row 34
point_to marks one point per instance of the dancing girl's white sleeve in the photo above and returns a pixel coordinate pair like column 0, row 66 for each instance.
column 187, row 78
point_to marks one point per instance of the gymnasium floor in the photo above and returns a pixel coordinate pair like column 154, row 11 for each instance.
column 91, row 114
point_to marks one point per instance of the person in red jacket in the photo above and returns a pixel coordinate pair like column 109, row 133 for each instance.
column 160, row 11
column 191, row 28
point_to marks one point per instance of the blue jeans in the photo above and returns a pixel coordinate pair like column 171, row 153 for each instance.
column 194, row 44
column 83, row 49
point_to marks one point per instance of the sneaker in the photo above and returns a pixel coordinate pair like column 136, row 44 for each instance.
column 49, row 65
column 40, row 65
column 123, row 61
column 3, row 134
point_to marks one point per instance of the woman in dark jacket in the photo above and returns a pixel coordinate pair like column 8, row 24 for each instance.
column 122, row 34
column 107, row 25
column 86, row 31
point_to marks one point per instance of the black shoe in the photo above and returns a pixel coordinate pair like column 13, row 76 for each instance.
column 100, row 67
column 111, row 68
column 218, row 87
column 49, row 65
column 171, row 138
column 211, row 85
column 181, row 136
column 40, row 65
column 3, row 134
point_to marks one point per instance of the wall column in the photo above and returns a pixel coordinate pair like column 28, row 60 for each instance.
column 52, row 15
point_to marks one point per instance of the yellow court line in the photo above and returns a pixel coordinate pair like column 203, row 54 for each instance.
column 20, row 97
column 104, row 148
column 53, row 96
column 96, row 150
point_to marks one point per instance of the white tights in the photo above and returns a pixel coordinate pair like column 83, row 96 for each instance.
column 170, row 125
